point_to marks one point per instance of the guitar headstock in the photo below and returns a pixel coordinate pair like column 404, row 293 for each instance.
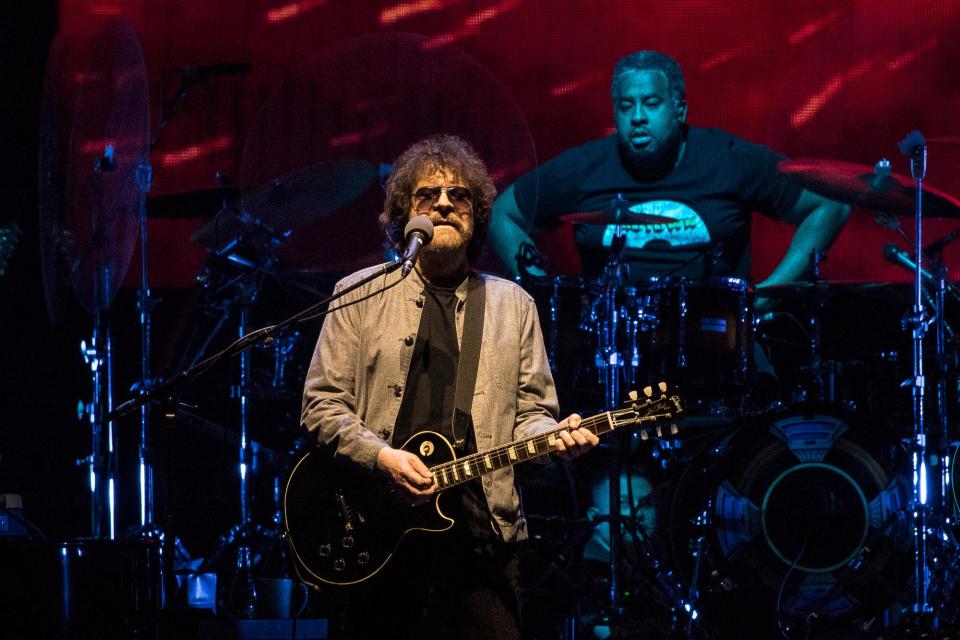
column 656, row 409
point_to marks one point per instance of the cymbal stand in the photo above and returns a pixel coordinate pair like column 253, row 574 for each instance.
column 606, row 312
column 244, row 603
column 145, row 303
column 945, row 581
column 149, row 528
column 815, row 332
column 102, row 461
column 241, row 596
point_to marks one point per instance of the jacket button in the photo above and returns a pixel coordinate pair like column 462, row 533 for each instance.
column 408, row 341
column 419, row 302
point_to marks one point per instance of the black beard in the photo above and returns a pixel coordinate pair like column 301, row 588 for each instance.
column 653, row 164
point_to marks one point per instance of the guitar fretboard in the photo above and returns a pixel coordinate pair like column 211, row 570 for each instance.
column 468, row 467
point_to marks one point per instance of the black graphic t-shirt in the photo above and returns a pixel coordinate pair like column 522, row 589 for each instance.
column 710, row 194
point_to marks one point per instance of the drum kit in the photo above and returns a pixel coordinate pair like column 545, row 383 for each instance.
column 810, row 488
column 788, row 504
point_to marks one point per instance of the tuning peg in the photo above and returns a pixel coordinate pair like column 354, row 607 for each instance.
column 632, row 395
column 674, row 429
column 644, row 435
column 662, row 386
column 648, row 391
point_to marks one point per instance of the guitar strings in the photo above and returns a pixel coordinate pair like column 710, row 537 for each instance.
column 453, row 472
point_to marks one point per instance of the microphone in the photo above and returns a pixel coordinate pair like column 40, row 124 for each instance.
column 418, row 233
column 901, row 258
column 204, row 71
column 769, row 316
column 913, row 144
column 937, row 246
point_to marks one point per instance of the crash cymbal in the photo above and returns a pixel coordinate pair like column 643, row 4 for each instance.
column 890, row 291
column 868, row 188
column 94, row 134
column 600, row 217
column 290, row 201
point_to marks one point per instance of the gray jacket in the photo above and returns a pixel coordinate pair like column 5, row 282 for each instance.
column 356, row 379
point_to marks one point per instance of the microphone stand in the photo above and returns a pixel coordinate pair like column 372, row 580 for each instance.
column 914, row 146
column 166, row 392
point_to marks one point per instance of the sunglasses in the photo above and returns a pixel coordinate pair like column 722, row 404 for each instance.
column 426, row 197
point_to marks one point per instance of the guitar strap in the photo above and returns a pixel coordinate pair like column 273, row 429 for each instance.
column 469, row 360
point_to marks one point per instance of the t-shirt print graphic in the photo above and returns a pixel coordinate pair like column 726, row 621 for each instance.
column 687, row 229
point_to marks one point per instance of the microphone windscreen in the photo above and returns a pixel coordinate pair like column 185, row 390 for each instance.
column 421, row 224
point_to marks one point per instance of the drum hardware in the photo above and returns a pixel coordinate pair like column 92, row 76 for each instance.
column 871, row 188
column 240, row 291
column 271, row 212
column 883, row 191
column 149, row 527
column 94, row 136
column 531, row 262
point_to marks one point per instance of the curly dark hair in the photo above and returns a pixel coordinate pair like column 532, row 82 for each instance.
column 652, row 61
column 446, row 153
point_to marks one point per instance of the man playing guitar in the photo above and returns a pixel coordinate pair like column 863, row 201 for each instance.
column 388, row 366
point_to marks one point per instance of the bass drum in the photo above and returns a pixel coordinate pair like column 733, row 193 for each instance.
column 795, row 513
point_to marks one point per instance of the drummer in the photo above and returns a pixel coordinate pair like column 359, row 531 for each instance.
column 705, row 182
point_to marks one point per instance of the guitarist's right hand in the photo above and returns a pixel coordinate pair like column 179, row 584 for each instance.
column 408, row 473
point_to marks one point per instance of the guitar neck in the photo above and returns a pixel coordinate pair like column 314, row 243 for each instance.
column 461, row 470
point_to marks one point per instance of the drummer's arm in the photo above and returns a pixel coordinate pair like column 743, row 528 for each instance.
column 819, row 221
column 508, row 230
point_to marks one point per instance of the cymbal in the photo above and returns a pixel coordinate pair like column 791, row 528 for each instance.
column 891, row 291
column 290, row 201
column 864, row 187
column 600, row 217
column 94, row 134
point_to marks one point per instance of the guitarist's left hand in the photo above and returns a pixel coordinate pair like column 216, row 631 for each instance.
column 574, row 441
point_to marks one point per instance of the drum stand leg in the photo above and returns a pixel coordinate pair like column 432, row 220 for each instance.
column 693, row 593
column 102, row 461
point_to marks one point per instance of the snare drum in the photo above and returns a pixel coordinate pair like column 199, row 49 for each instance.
column 703, row 337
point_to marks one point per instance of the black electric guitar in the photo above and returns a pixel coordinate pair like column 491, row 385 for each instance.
column 343, row 525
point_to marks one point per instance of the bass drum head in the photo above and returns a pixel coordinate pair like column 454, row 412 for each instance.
column 796, row 513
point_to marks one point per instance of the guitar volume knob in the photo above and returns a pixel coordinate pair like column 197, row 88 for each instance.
column 363, row 558
column 339, row 564
column 347, row 542
column 325, row 550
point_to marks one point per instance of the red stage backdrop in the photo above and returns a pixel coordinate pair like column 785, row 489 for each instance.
column 524, row 79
